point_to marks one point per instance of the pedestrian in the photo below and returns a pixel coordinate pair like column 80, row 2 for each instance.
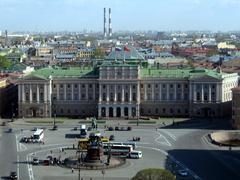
column 51, row 151
column 72, row 170
column 156, row 128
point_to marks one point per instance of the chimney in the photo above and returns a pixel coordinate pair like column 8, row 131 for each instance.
column 110, row 23
column 104, row 23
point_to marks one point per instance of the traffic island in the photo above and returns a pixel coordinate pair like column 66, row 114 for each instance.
column 226, row 138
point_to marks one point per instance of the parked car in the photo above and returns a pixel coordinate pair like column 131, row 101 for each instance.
column 129, row 128
column 135, row 154
column 46, row 162
column 116, row 128
column 35, row 161
column 89, row 129
column 75, row 128
column 110, row 128
column 34, row 129
column 112, row 138
column 9, row 130
column 13, row 175
column 183, row 172
column 123, row 129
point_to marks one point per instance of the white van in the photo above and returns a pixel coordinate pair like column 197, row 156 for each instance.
column 135, row 154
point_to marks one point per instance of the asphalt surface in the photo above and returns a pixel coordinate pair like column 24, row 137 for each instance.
column 174, row 148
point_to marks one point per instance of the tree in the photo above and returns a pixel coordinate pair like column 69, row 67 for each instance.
column 4, row 62
column 154, row 174
column 99, row 54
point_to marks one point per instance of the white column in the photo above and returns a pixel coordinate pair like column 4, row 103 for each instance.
column 122, row 111
column 115, row 93
column 99, row 111
column 87, row 92
column 107, row 111
column 145, row 92
column 130, row 93
column 138, row 92
column 202, row 94
column 217, row 93
column 30, row 93
column 107, row 92
column 65, row 92
column 130, row 112
column 38, row 94
column 175, row 92
column 123, row 86
column 94, row 91
column 45, row 92
column 79, row 92
column 100, row 93
column 72, row 93
column 160, row 92
column 153, row 92
column 23, row 93
column 19, row 93
column 167, row 91
column 209, row 93
column 57, row 85
column 114, row 111
column 194, row 93
column 182, row 92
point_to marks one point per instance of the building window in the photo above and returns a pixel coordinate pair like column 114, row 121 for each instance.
column 83, row 85
column 171, row 96
column 83, row 96
column 104, row 97
column 134, row 87
column 141, row 85
column 171, row 111
column 27, row 96
column 76, row 96
column 126, row 97
column 185, row 96
column 186, row 111
column 156, row 111
column 69, row 111
column 186, row 86
column 149, row 85
column 164, row 110
column 119, row 97
column 213, row 86
column 179, row 111
column 178, row 96
column 111, row 97
column 156, row 86
column 198, row 96
column 171, row 86
column 34, row 96
column 134, row 97
column 205, row 96
column 90, row 85
column 164, row 96
column 163, row 86
column 104, row 86
column 178, row 86
column 61, row 111
column 75, row 86
column 54, row 86
column 61, row 85
column 68, row 85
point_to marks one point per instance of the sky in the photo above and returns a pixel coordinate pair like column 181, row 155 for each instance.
column 160, row 15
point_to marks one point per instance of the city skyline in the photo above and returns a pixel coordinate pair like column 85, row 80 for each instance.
column 78, row 15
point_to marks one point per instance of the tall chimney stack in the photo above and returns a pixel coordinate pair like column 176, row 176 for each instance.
column 110, row 23
column 104, row 23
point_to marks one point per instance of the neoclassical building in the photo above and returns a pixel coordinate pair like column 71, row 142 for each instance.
column 124, row 90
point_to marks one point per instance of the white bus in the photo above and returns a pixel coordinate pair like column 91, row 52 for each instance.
column 133, row 144
column 38, row 135
column 118, row 150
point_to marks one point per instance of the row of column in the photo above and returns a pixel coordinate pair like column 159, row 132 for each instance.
column 79, row 91
column 122, row 111
column 160, row 92
column 115, row 93
column 208, row 91
column 22, row 93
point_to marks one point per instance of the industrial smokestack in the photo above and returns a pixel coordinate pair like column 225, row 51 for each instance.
column 104, row 23
column 110, row 23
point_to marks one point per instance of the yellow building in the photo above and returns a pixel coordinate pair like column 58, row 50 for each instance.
column 225, row 45
column 86, row 53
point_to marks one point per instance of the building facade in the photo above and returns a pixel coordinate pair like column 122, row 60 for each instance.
column 236, row 108
column 126, row 91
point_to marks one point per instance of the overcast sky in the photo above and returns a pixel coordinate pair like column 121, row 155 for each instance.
column 76, row 15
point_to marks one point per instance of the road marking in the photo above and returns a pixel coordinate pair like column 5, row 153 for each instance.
column 174, row 159
column 166, row 142
column 30, row 170
column 17, row 144
column 23, row 147
column 18, row 171
column 169, row 134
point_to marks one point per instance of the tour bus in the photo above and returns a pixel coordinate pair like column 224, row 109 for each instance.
column 133, row 144
column 38, row 135
column 118, row 150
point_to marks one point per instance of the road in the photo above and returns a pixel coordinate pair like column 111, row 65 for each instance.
column 188, row 147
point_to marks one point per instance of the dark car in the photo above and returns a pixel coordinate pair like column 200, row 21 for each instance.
column 75, row 128
column 9, row 130
column 110, row 128
column 116, row 128
column 34, row 129
column 13, row 175
column 35, row 161
column 89, row 129
column 112, row 138
column 129, row 128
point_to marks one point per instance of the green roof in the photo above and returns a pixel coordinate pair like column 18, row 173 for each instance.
column 66, row 72
column 178, row 73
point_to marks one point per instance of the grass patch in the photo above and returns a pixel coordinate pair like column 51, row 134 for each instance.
column 90, row 122
column 44, row 121
column 141, row 122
